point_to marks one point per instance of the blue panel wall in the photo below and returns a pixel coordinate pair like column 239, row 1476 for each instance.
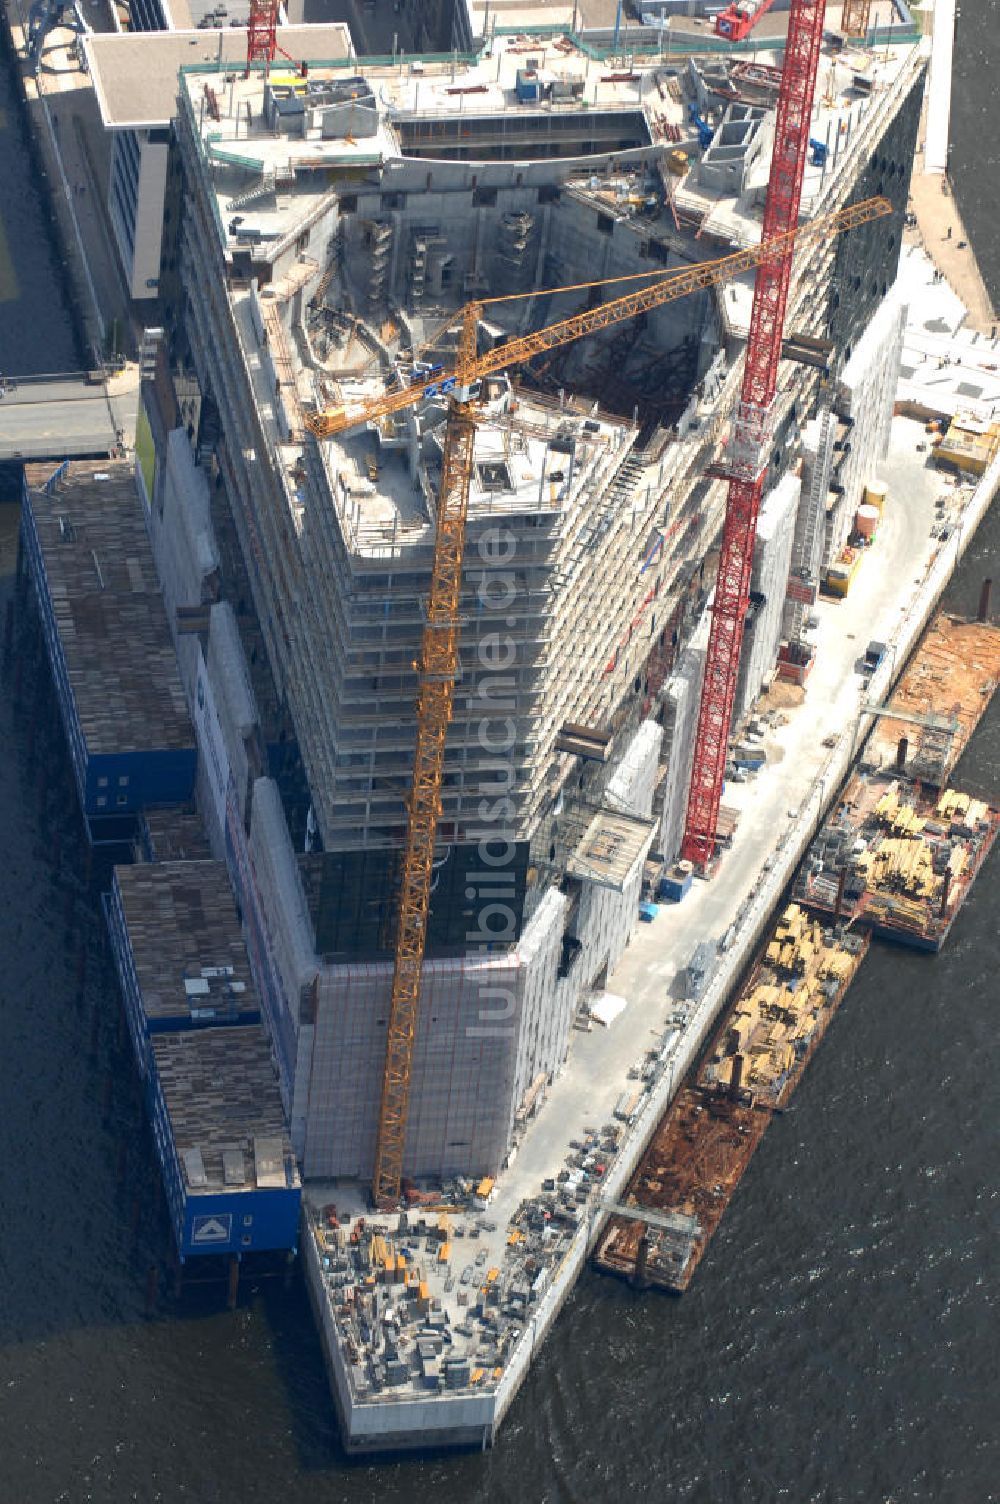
column 114, row 916
column 124, row 783
column 64, row 694
column 240, row 1222
column 166, row 1153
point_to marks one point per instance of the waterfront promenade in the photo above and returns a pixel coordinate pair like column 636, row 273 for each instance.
column 939, row 228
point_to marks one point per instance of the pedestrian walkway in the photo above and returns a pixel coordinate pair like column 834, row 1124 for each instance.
column 946, row 365
column 939, row 228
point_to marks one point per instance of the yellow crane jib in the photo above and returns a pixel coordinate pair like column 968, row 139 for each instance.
column 438, row 668
column 664, row 289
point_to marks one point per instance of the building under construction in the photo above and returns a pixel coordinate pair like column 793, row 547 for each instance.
column 336, row 218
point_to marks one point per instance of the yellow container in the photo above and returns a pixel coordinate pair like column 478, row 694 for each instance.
column 876, row 495
column 840, row 575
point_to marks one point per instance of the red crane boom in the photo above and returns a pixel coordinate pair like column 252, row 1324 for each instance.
column 753, row 430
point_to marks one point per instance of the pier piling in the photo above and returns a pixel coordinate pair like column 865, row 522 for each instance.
column 983, row 613
column 232, row 1294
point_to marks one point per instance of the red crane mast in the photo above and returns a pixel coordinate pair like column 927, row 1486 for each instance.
column 753, row 430
column 262, row 27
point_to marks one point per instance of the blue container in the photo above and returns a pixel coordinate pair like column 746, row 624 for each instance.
column 674, row 886
column 526, row 86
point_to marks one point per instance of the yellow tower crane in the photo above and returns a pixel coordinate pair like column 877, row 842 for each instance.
column 438, row 663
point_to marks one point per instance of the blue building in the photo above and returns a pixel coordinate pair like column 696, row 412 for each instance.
column 178, row 950
column 227, row 1163
column 104, row 625
column 230, row 1176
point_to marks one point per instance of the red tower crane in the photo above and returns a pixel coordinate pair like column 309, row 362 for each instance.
column 739, row 18
column 262, row 32
column 753, row 429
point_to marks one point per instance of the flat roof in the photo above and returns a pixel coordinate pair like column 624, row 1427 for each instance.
column 187, row 949
column 210, row 14
column 108, row 609
column 423, row 106
column 589, row 15
column 222, row 1098
column 522, row 465
column 135, row 73
column 175, row 834
column 610, row 847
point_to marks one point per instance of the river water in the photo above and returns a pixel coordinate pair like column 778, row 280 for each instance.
column 37, row 336
column 838, row 1342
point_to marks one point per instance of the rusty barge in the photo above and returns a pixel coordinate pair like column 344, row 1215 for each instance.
column 678, row 1194
column 901, row 849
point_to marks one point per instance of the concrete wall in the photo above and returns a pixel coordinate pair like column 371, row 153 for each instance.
column 630, row 787
column 569, row 241
column 543, row 1038
column 463, row 1074
column 144, row 280
column 680, row 721
column 184, row 545
column 136, row 197
column 227, row 671
column 726, row 163
column 289, row 943
column 771, row 555
column 865, row 394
